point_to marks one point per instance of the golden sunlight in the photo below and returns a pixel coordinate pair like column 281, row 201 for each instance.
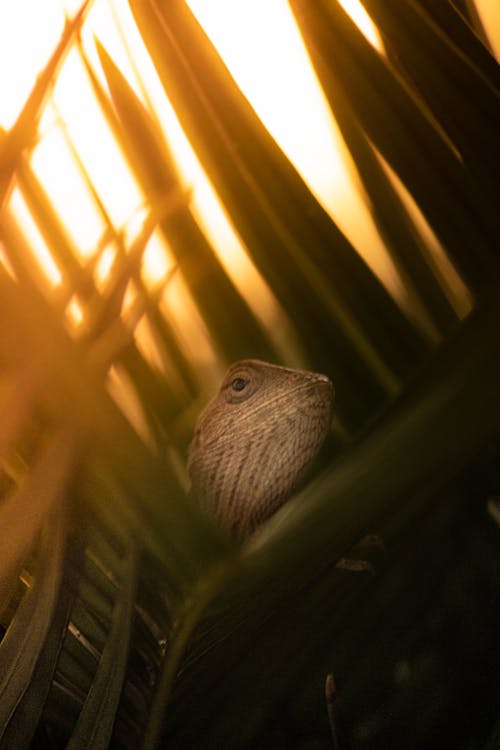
column 104, row 265
column 283, row 89
column 84, row 172
column 54, row 164
column 74, row 312
column 155, row 262
column 34, row 240
column 94, row 142
column 363, row 21
column 453, row 286
column 26, row 58
column 313, row 143
column 489, row 13
column 127, row 48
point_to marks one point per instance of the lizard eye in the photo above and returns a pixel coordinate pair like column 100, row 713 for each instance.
column 238, row 384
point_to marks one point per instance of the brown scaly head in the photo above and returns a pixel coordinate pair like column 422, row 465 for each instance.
column 254, row 440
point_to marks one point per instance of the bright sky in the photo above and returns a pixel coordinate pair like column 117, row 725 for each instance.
column 281, row 86
column 279, row 82
column 489, row 12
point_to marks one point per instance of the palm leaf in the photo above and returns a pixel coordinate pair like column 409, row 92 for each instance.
column 23, row 132
column 410, row 142
column 27, row 631
column 227, row 315
column 95, row 723
column 436, row 64
column 23, row 721
column 288, row 587
column 137, row 621
column 266, row 199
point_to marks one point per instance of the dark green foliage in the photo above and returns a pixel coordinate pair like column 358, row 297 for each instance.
column 289, row 605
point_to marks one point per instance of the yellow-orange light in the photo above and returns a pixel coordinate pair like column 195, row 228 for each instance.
column 74, row 312
column 95, row 143
column 213, row 219
column 204, row 203
column 260, row 43
column 363, row 21
column 103, row 266
column 124, row 394
column 129, row 298
column 155, row 263
column 56, row 168
column 489, row 13
column 29, row 31
column 453, row 286
column 179, row 309
column 4, row 260
column 35, row 241
column 262, row 47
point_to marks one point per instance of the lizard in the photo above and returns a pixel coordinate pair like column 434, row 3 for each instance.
column 254, row 440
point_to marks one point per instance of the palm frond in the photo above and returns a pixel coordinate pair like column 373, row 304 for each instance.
column 127, row 618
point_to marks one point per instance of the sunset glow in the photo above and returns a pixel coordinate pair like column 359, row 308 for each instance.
column 363, row 21
column 282, row 87
column 312, row 142
column 84, row 172
column 34, row 240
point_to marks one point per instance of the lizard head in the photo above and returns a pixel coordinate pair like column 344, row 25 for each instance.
column 254, row 440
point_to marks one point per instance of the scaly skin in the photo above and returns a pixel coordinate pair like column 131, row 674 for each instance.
column 254, row 440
